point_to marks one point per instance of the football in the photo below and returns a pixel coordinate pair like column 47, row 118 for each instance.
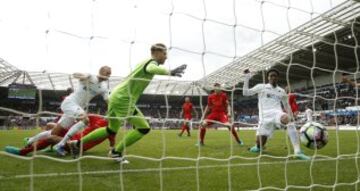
column 313, row 135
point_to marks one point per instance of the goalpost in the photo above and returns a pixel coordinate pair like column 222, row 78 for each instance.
column 311, row 43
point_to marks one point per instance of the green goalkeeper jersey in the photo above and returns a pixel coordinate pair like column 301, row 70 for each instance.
column 136, row 82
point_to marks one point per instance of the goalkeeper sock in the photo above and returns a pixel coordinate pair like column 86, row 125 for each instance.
column 74, row 129
column 294, row 137
column 129, row 139
column 42, row 135
column 100, row 133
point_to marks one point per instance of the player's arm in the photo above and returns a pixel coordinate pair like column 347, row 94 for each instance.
column 155, row 69
column 250, row 91
column 81, row 76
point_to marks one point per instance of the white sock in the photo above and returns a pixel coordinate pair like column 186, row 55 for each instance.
column 294, row 137
column 74, row 129
column 42, row 135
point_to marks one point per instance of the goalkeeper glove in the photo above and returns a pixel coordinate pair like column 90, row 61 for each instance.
column 179, row 71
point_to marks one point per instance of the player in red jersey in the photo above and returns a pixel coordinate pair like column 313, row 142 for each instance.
column 220, row 112
column 292, row 102
column 186, row 112
column 94, row 123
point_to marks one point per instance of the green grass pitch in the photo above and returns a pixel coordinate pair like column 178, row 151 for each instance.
column 174, row 173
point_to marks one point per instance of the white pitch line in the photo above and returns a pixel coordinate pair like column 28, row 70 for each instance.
column 158, row 169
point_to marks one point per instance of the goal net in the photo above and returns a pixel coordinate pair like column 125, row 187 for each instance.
column 313, row 45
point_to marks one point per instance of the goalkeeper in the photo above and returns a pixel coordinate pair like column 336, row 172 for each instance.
column 123, row 99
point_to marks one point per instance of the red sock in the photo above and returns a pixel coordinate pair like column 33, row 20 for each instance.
column 24, row 151
column 235, row 134
column 42, row 144
column 202, row 134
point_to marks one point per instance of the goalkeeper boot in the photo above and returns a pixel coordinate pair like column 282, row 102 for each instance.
column 12, row 150
column 300, row 155
column 255, row 149
column 117, row 156
column 241, row 143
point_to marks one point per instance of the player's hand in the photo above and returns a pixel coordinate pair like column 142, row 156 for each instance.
column 179, row 71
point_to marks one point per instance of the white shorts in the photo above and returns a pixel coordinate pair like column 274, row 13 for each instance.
column 269, row 121
column 71, row 111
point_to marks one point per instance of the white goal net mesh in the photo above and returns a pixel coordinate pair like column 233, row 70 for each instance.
column 313, row 45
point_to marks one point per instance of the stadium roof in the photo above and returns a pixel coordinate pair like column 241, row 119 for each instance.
column 61, row 81
column 323, row 44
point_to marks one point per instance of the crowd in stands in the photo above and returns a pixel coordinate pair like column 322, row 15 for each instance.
column 327, row 98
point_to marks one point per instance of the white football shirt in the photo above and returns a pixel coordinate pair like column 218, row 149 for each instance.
column 87, row 90
column 270, row 98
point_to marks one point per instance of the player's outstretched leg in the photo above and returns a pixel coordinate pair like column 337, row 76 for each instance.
column 294, row 138
column 98, row 134
column 59, row 147
column 41, row 144
column 141, row 128
column 42, row 135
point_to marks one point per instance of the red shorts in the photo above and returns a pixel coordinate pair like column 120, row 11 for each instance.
column 63, row 132
column 220, row 117
column 187, row 117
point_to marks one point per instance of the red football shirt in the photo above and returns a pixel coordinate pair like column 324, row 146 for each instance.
column 187, row 108
column 217, row 102
column 292, row 102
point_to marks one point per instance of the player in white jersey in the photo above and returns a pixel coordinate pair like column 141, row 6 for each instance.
column 271, row 115
column 308, row 114
column 74, row 115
